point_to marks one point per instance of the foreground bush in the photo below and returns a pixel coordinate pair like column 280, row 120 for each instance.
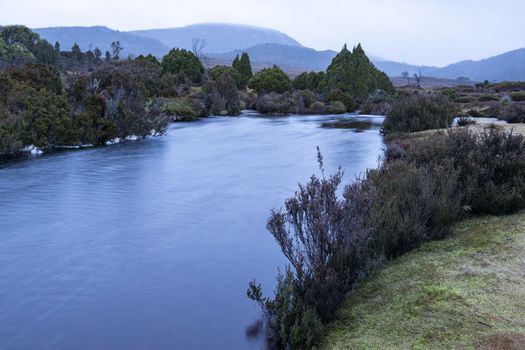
column 418, row 113
column 490, row 167
column 422, row 189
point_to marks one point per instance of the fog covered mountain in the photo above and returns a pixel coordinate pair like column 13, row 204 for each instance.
column 267, row 47
column 220, row 38
column 101, row 37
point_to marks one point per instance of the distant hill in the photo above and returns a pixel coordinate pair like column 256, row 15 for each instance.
column 300, row 58
column 267, row 47
column 101, row 37
column 220, row 38
column 292, row 57
column 508, row 66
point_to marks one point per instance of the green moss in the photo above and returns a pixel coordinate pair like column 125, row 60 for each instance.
column 452, row 294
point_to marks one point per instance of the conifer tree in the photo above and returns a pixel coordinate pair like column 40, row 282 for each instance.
column 353, row 73
column 244, row 67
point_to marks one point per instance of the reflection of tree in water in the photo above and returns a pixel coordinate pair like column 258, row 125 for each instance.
column 357, row 125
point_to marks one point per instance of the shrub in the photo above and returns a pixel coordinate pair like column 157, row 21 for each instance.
column 270, row 80
column 466, row 99
column 323, row 238
column 513, row 113
column 336, row 107
column 178, row 109
column 413, row 204
column 339, row 96
column 487, row 98
column 490, row 166
column 180, row 61
column 452, row 94
column 272, row 103
column 465, row 121
column 518, row 96
column 419, row 112
column 308, row 81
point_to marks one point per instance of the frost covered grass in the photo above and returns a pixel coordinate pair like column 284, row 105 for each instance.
column 465, row 292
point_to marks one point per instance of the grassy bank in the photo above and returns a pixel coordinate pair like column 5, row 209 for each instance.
column 466, row 292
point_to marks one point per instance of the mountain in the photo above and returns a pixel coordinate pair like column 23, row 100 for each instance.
column 291, row 57
column 267, row 47
column 508, row 66
column 101, row 37
column 220, row 38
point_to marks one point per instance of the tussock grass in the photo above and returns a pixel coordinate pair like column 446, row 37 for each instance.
column 465, row 292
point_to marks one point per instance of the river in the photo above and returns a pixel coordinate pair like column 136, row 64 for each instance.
column 151, row 244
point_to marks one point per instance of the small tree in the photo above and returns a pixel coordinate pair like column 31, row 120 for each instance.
column 418, row 77
column 406, row 76
column 57, row 47
column 97, row 54
column 116, row 48
column 197, row 47
column 75, row 51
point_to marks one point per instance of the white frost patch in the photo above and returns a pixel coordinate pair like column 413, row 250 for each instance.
column 32, row 149
column 132, row 137
column 87, row 145
column 114, row 141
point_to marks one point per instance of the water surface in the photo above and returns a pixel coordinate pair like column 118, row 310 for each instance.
column 151, row 244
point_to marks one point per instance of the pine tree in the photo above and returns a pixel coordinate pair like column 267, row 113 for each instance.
column 97, row 53
column 244, row 67
column 353, row 73
column 57, row 47
column 76, row 53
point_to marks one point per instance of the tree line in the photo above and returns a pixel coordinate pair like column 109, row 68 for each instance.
column 53, row 97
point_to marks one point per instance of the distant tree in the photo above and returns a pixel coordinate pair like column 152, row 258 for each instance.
column 90, row 56
column 217, row 71
column 406, row 76
column 417, row 78
column 308, row 81
column 108, row 56
column 352, row 72
column 97, row 54
column 197, row 47
column 149, row 58
column 244, row 67
column 76, row 52
column 180, row 61
column 116, row 49
column 270, row 80
column 57, row 47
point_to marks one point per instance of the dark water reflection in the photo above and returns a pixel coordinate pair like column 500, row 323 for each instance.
column 151, row 244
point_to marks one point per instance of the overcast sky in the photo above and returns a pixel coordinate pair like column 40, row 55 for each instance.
column 432, row 32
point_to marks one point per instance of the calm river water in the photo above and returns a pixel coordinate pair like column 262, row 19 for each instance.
column 151, row 244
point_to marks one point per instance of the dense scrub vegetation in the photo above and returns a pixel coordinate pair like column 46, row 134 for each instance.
column 423, row 187
column 420, row 112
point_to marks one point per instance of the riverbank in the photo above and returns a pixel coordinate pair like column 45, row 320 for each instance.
column 464, row 292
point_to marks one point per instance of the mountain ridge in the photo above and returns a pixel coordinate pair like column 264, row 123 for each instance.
column 224, row 41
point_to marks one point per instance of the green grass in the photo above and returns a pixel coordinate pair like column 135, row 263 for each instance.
column 465, row 292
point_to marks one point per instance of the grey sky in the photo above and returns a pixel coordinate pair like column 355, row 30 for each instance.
column 433, row 32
